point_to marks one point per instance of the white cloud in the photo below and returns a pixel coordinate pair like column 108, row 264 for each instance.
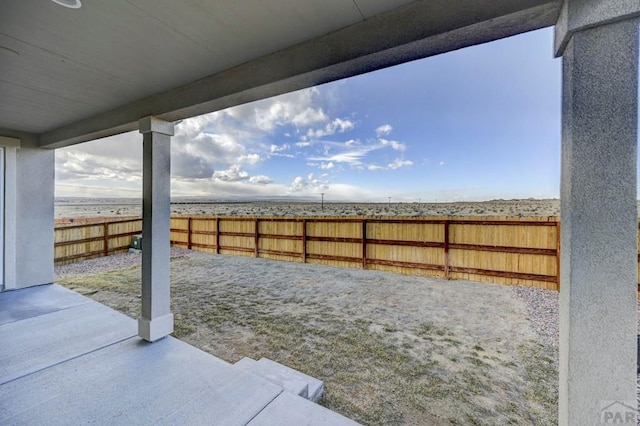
column 233, row 174
column 279, row 148
column 353, row 152
column 384, row 130
column 327, row 166
column 309, row 117
column 398, row 146
column 322, row 165
column 352, row 157
column 308, row 185
column 202, row 145
column 441, row 163
column 251, row 159
column 338, row 125
column 117, row 159
column 296, row 108
column 260, row 179
column 220, row 188
column 224, row 153
column 396, row 164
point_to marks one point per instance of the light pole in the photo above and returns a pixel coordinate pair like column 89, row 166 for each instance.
column 389, row 202
column 322, row 201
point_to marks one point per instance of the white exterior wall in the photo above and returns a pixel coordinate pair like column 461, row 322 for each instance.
column 34, row 204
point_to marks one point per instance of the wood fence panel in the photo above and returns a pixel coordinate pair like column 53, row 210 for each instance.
column 508, row 262
column 237, row 236
column 399, row 246
column 180, row 231
column 416, row 259
column 79, row 242
column 334, row 242
column 281, row 227
column 281, row 239
column 76, row 233
column 93, row 239
column 203, row 234
column 280, row 249
column 285, row 254
column 335, row 253
column 508, row 235
column 505, row 250
column 120, row 234
column 405, row 231
column 334, row 229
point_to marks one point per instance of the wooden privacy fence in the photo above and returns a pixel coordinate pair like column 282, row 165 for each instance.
column 89, row 240
column 499, row 250
column 505, row 250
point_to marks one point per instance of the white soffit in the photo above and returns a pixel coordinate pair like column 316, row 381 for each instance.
column 62, row 70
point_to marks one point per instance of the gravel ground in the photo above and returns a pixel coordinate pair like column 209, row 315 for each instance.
column 543, row 308
column 105, row 264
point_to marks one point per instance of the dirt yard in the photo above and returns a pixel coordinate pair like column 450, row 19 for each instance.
column 391, row 349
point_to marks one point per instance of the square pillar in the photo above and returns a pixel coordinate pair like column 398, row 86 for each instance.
column 156, row 321
column 9, row 255
column 599, row 257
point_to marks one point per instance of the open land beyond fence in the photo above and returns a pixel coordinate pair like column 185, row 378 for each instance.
column 502, row 250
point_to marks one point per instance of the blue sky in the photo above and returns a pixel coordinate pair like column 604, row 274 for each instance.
column 476, row 124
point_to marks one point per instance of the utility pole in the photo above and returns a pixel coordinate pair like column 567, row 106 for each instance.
column 322, row 202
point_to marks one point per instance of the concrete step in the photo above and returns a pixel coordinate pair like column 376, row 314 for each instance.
column 291, row 380
column 289, row 410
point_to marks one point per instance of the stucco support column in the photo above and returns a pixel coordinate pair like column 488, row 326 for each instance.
column 11, row 146
column 156, row 321
column 598, row 277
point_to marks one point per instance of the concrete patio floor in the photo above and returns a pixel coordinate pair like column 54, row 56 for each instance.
column 65, row 359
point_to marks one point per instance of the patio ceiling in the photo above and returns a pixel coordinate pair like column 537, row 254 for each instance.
column 72, row 75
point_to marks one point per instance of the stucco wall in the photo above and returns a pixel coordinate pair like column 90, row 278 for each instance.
column 34, row 216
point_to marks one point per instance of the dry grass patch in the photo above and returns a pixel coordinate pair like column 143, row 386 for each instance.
column 391, row 349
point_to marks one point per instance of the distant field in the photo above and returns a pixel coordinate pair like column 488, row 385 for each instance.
column 75, row 208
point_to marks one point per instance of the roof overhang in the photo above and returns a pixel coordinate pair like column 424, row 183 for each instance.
column 94, row 72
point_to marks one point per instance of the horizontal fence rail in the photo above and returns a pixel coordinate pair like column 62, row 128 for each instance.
column 500, row 250
column 506, row 250
column 95, row 239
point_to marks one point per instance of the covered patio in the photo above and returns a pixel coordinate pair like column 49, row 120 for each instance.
column 69, row 360
column 73, row 72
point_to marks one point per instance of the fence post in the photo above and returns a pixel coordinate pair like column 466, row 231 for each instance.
column 304, row 240
column 364, row 244
column 257, row 237
column 217, row 235
column 105, row 234
column 189, row 233
column 558, row 230
column 446, row 250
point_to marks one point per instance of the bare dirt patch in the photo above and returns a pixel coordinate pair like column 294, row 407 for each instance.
column 391, row 349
